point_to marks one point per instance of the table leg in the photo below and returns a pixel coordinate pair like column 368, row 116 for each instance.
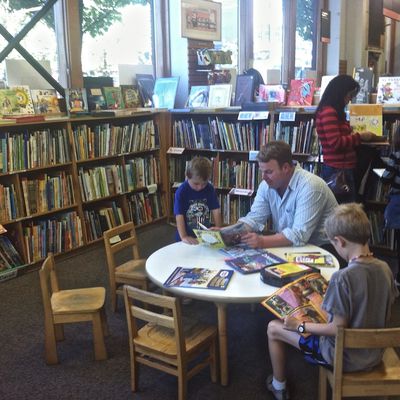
column 223, row 342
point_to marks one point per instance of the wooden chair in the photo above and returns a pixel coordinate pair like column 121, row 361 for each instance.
column 132, row 272
column 67, row 306
column 383, row 380
column 166, row 342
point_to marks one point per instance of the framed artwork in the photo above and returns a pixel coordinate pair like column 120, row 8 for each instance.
column 220, row 96
column 201, row 19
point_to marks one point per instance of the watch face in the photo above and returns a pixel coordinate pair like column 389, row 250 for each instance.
column 301, row 328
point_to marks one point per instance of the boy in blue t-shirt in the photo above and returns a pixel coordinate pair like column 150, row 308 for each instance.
column 195, row 201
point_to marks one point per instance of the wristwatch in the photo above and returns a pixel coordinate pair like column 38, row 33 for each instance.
column 302, row 328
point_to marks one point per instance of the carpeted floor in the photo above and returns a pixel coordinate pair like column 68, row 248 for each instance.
column 24, row 374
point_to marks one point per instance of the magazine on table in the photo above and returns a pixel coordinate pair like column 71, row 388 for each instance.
column 248, row 264
column 199, row 278
column 301, row 299
column 311, row 258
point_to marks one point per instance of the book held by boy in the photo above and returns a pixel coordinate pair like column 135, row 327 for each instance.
column 199, row 278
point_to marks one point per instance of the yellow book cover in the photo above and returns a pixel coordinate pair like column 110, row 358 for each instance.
column 366, row 118
column 288, row 269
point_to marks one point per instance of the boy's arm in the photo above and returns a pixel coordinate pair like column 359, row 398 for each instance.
column 216, row 214
column 328, row 329
column 180, row 225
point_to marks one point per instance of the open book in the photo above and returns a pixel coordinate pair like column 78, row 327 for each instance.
column 201, row 278
column 301, row 299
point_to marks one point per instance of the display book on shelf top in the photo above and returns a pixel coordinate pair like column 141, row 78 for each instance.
column 64, row 181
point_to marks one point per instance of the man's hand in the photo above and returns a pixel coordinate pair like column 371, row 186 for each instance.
column 252, row 239
column 189, row 240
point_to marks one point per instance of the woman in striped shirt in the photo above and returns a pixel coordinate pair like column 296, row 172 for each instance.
column 335, row 134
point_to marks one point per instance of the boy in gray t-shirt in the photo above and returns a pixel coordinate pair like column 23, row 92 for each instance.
column 359, row 296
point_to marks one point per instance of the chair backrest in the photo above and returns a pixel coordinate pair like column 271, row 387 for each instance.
column 48, row 282
column 167, row 313
column 128, row 238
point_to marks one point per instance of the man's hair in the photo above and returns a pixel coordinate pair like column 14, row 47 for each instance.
column 276, row 150
column 349, row 221
column 199, row 167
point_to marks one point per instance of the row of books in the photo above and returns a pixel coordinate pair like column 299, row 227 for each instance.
column 220, row 135
column 233, row 207
column 141, row 172
column 108, row 139
column 103, row 219
column 46, row 193
column 56, row 235
column 9, row 207
column 380, row 236
column 145, row 207
column 33, row 149
column 9, row 256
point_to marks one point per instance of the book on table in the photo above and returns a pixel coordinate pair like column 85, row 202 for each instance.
column 250, row 263
column 301, row 299
column 199, row 278
column 311, row 258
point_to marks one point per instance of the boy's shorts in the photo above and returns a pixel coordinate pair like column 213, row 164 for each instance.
column 309, row 346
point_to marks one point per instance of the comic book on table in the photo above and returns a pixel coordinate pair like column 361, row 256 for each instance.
column 250, row 263
column 301, row 299
column 315, row 258
column 199, row 278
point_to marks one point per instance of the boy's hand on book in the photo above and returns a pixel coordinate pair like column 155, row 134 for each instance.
column 252, row 239
column 189, row 240
column 214, row 228
column 291, row 323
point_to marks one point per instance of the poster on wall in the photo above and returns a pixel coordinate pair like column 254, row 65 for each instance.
column 201, row 19
column 325, row 26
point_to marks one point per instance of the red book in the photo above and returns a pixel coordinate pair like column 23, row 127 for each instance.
column 301, row 92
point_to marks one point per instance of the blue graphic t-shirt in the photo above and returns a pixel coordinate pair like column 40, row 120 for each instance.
column 195, row 206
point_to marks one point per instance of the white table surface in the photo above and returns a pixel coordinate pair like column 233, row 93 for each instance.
column 241, row 289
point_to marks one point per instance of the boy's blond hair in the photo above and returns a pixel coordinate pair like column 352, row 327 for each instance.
column 199, row 167
column 349, row 221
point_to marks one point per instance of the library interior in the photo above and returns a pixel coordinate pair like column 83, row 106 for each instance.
column 200, row 199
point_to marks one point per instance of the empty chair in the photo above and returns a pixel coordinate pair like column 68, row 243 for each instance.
column 166, row 342
column 67, row 306
column 131, row 272
column 383, row 380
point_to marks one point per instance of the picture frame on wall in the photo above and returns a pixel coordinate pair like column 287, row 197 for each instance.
column 201, row 19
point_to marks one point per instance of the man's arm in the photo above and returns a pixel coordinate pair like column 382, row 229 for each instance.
column 256, row 240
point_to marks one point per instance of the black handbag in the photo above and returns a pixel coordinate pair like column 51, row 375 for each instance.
column 337, row 182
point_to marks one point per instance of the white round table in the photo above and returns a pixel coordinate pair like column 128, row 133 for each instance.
column 241, row 288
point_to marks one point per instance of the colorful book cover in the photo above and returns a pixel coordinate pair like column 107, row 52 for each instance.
column 45, row 101
column 272, row 93
column 96, row 100
column 113, row 96
column 366, row 118
column 220, row 96
column 165, row 92
column 244, row 91
column 199, row 278
column 24, row 99
column 317, row 259
column 301, row 92
column 288, row 269
column 198, row 96
column 249, row 264
column 146, row 88
column 131, row 96
column 388, row 90
column 364, row 76
column 76, row 100
column 209, row 238
column 8, row 102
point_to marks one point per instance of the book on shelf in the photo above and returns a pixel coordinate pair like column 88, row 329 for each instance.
column 311, row 258
column 220, row 95
column 272, row 93
column 22, row 118
column 301, row 299
column 96, row 100
column 45, row 101
column 388, row 90
column 199, row 278
column 113, row 96
column 8, row 102
column 198, row 97
column 146, row 88
column 244, row 91
column 165, row 92
column 301, row 92
column 131, row 96
column 366, row 118
column 364, row 76
column 76, row 100
column 248, row 264
column 24, row 99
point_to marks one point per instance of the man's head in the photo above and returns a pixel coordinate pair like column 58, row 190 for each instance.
column 276, row 164
column 198, row 172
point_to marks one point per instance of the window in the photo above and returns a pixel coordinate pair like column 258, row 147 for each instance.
column 116, row 38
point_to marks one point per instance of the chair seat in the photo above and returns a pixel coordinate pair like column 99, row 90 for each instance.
column 161, row 339
column 78, row 300
column 135, row 269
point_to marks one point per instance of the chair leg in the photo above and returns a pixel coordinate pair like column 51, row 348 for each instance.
column 322, row 384
column 100, row 352
column 50, row 344
column 114, row 299
column 134, row 372
column 59, row 332
column 104, row 324
column 213, row 364
column 182, row 383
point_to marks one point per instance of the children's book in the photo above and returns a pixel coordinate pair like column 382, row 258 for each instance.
column 287, row 269
column 366, row 118
column 45, row 101
column 113, row 96
column 198, row 97
column 301, row 92
column 220, row 96
column 301, row 299
column 131, row 96
column 76, row 100
column 244, row 91
column 146, row 88
column 8, row 102
column 388, row 90
column 96, row 100
column 311, row 258
column 249, row 264
column 24, row 98
column 199, row 278
column 272, row 93
column 165, row 92
column 364, row 76
column 209, row 238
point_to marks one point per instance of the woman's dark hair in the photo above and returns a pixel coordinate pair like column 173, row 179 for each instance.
column 336, row 91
